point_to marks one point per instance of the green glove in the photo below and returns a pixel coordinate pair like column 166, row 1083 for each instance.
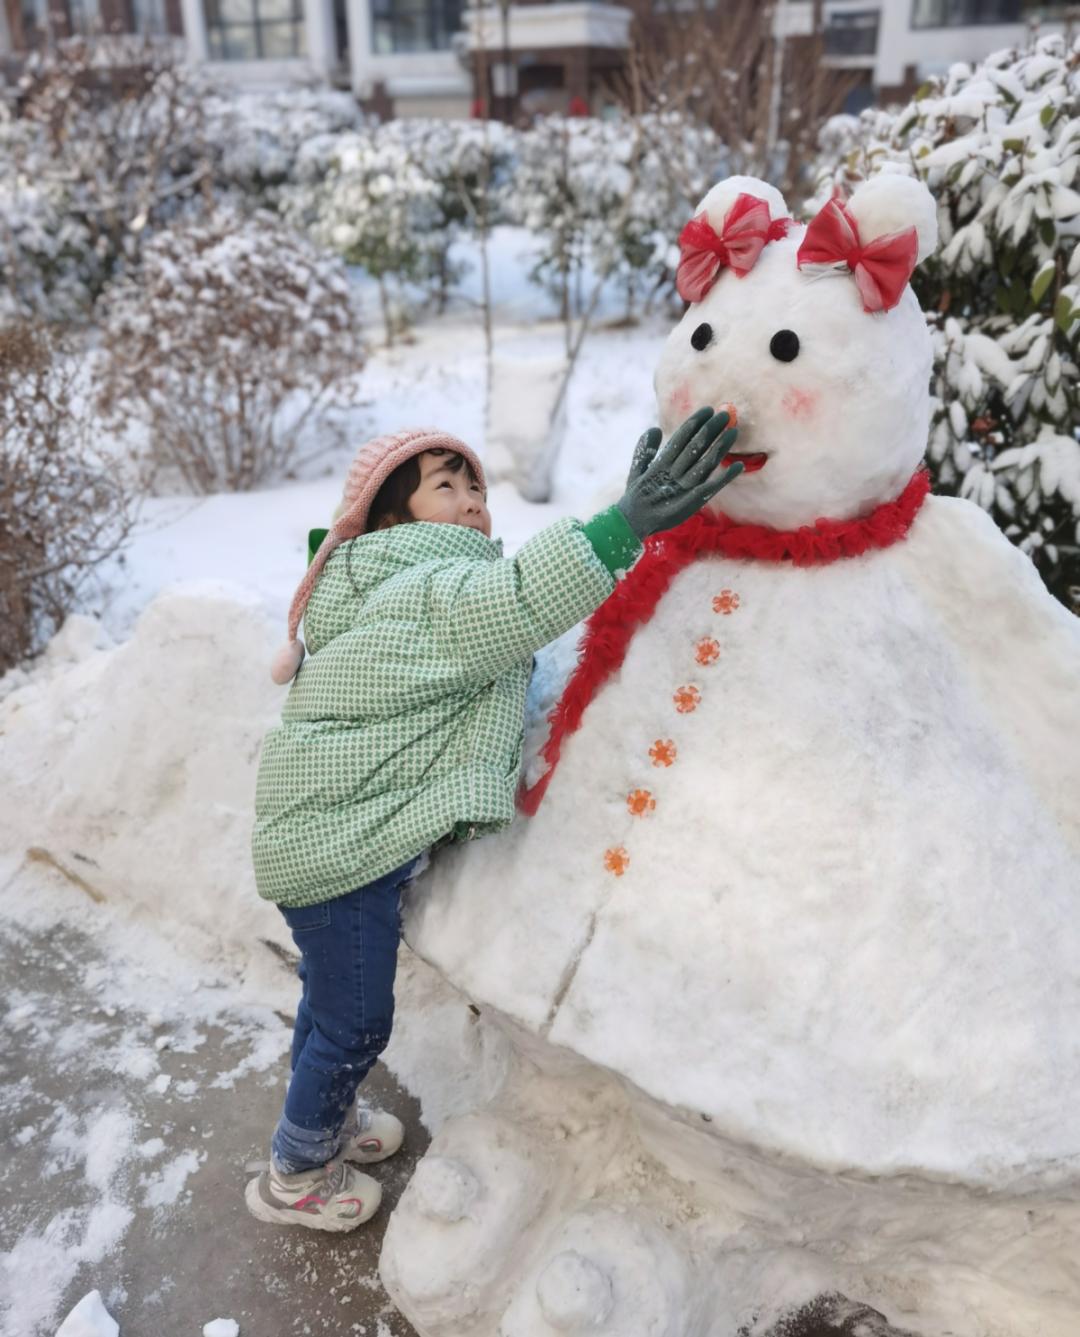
column 668, row 487
column 663, row 489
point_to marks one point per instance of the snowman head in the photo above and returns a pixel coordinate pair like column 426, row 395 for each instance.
column 814, row 335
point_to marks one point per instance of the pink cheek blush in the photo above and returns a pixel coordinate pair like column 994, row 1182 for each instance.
column 800, row 404
column 679, row 402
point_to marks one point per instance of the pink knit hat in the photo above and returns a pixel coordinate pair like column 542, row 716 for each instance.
column 374, row 463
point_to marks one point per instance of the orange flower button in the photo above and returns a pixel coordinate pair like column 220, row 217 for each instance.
column 687, row 699
column 707, row 651
column 663, row 752
column 640, row 802
column 616, row 861
column 726, row 602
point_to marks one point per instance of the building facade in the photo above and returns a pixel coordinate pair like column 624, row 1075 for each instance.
column 892, row 46
column 438, row 57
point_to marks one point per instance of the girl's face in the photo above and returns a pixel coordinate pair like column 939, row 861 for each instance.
column 448, row 495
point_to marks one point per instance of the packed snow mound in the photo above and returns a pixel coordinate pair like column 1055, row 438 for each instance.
column 132, row 769
column 833, row 907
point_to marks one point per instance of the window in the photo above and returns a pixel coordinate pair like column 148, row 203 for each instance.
column 148, row 16
column 38, row 24
column 414, row 25
column 964, row 13
column 854, row 33
column 84, row 17
column 255, row 29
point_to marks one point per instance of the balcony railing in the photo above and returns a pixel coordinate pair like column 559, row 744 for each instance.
column 964, row 13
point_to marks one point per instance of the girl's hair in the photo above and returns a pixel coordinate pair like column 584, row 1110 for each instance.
column 391, row 504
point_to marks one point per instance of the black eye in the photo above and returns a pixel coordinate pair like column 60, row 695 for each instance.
column 785, row 346
column 701, row 337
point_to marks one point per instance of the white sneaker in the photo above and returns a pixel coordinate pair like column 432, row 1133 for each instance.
column 334, row 1197
column 370, row 1135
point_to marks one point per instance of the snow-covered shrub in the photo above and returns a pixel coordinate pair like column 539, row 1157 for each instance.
column 551, row 195
column 470, row 164
column 661, row 165
column 64, row 507
column 48, row 261
column 376, row 208
column 614, row 192
column 103, row 144
column 232, row 341
column 999, row 145
column 263, row 141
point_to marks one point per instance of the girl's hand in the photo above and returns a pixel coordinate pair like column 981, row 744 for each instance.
column 668, row 486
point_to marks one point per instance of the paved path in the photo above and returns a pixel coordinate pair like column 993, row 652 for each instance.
column 83, row 1101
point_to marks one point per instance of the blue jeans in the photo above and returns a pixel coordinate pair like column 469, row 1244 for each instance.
column 348, row 957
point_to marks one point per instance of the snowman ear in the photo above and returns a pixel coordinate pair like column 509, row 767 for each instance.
column 721, row 199
column 892, row 202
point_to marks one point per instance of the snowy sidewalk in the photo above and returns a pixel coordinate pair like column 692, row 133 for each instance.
column 128, row 1111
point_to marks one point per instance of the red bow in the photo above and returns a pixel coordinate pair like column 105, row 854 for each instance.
column 882, row 269
column 748, row 226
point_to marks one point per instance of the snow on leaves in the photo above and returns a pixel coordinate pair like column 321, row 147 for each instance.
column 999, row 146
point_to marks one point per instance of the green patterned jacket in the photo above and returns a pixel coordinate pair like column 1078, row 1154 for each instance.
column 405, row 722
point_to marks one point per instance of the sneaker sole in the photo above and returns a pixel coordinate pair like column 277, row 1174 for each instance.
column 288, row 1216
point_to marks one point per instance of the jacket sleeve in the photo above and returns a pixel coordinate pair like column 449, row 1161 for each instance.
column 489, row 616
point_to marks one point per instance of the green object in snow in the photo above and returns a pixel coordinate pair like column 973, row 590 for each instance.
column 314, row 542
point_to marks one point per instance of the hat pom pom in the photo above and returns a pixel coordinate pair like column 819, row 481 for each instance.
column 287, row 663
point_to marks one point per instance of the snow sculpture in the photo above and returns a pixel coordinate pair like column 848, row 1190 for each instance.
column 786, row 960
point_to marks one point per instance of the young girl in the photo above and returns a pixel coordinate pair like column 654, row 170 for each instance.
column 404, row 729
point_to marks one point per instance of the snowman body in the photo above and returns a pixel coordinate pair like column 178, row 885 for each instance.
column 810, row 865
column 804, row 883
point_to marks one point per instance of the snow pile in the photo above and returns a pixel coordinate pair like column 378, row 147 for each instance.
column 89, row 1318
column 132, row 770
column 221, row 1327
column 845, row 961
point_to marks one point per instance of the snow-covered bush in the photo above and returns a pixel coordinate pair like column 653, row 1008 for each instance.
column 999, row 145
column 104, row 143
column 63, row 506
column 232, row 342
column 668, row 162
column 470, row 164
column 376, row 208
column 551, row 194
column 48, row 261
column 614, row 192
column 263, row 141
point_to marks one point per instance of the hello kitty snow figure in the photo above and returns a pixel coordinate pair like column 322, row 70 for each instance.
column 804, row 865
